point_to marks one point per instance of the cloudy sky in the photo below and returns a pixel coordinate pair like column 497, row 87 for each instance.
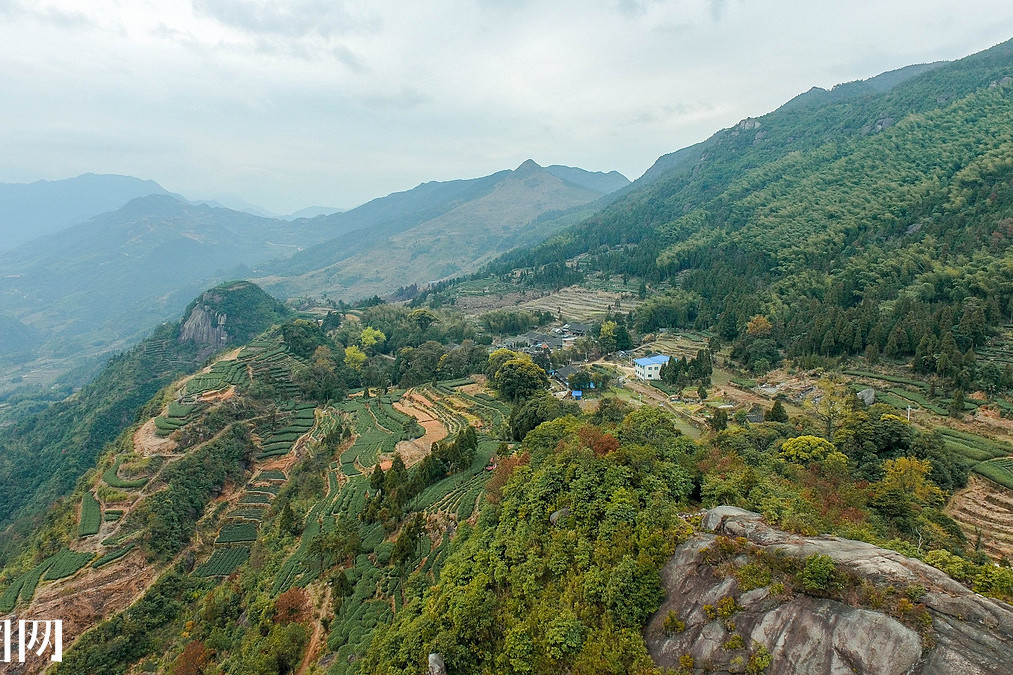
column 291, row 103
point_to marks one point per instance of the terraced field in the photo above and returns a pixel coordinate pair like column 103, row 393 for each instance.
column 985, row 514
column 580, row 303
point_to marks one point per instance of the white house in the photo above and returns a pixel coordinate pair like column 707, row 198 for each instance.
column 649, row 368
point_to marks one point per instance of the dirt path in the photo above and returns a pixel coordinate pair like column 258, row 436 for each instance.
column 318, row 640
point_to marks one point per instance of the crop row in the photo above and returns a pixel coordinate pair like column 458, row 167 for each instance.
column 998, row 470
column 236, row 532
column 110, row 478
column 23, row 586
column 66, row 563
column 91, row 516
column 224, row 561
column 888, row 378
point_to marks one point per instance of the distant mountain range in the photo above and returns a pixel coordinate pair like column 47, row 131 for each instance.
column 436, row 230
column 30, row 210
column 82, row 289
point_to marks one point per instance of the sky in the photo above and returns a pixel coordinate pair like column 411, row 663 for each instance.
column 291, row 103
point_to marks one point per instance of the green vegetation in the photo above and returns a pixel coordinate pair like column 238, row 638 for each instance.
column 66, row 563
column 111, row 478
column 45, row 453
column 998, row 470
column 224, row 561
column 169, row 516
column 237, row 532
column 24, row 586
column 91, row 515
column 847, row 246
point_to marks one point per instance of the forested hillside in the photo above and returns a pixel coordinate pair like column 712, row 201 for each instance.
column 857, row 221
column 43, row 454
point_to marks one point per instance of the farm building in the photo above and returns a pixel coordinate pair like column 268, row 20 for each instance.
column 649, row 367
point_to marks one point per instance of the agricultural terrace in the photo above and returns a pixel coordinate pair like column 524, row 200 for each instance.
column 586, row 302
column 374, row 578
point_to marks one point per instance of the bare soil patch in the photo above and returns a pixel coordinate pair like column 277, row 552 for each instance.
column 984, row 509
column 414, row 450
column 89, row 597
column 148, row 443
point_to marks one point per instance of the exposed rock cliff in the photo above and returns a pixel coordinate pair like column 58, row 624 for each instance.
column 204, row 326
column 744, row 598
column 229, row 314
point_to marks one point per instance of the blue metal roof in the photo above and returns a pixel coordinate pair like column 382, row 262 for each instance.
column 651, row 360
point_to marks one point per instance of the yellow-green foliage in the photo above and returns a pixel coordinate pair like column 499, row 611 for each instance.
column 805, row 449
column 673, row 624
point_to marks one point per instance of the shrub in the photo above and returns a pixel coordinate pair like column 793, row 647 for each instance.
column 673, row 624
column 734, row 642
column 820, row 574
column 759, row 661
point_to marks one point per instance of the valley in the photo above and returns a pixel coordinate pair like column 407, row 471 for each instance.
column 752, row 412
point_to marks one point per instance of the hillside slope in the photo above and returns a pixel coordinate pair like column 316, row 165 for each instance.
column 44, row 454
column 451, row 229
column 100, row 285
column 821, row 215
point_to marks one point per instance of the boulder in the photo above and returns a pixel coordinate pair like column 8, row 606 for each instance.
column 436, row 665
column 945, row 628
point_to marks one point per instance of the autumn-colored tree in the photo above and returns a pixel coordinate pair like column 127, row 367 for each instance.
column 805, row 449
column 909, row 476
column 501, row 474
column 292, row 606
column 759, row 327
column 371, row 339
column 193, row 661
column 830, row 404
column 601, row 443
column 355, row 357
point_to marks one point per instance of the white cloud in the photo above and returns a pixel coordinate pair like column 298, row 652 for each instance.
column 326, row 102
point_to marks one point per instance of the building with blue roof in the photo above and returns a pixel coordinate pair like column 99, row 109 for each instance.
column 649, row 367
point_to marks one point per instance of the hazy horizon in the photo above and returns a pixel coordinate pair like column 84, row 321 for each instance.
column 290, row 105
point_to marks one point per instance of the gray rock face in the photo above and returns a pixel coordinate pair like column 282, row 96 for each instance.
column 436, row 665
column 957, row 630
column 204, row 326
column 867, row 396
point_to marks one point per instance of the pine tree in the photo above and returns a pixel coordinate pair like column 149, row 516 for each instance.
column 777, row 413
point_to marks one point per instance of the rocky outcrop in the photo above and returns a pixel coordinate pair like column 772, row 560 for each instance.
column 436, row 665
column 204, row 326
column 736, row 600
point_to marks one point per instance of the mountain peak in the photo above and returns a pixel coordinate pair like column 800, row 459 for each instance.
column 528, row 166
